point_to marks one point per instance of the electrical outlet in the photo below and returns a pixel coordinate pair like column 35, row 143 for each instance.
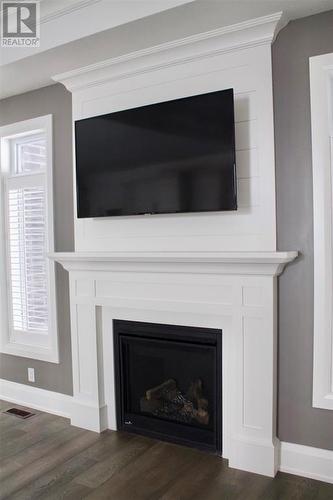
column 31, row 374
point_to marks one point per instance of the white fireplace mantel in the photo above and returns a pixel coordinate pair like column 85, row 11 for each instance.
column 236, row 263
column 234, row 292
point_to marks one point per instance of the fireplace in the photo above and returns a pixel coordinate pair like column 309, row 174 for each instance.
column 168, row 382
column 211, row 292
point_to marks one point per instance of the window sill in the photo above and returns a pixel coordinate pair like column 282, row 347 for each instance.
column 31, row 352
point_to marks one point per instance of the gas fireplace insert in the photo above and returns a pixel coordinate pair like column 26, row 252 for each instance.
column 169, row 382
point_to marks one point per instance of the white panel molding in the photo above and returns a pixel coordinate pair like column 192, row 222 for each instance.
column 306, row 461
column 293, row 458
column 236, row 56
column 321, row 82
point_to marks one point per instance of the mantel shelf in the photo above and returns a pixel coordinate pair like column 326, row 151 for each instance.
column 256, row 263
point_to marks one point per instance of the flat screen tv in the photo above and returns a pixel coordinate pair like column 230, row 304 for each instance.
column 172, row 157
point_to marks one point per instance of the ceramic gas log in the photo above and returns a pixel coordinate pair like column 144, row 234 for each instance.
column 168, row 401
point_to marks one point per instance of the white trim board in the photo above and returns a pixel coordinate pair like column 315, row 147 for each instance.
column 306, row 461
column 295, row 459
column 321, row 86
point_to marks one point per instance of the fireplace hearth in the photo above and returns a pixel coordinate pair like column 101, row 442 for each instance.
column 168, row 382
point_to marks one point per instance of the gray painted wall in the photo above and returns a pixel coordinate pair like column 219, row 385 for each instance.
column 298, row 422
column 55, row 100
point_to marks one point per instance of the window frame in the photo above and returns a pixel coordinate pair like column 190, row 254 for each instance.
column 321, row 94
column 27, row 345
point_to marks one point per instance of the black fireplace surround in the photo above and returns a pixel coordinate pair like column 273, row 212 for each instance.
column 169, row 382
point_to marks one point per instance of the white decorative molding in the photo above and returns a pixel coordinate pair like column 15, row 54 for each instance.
column 321, row 82
column 306, row 461
column 236, row 263
column 246, row 34
column 233, row 292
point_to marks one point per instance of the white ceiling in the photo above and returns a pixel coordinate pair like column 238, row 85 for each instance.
column 62, row 21
column 76, row 33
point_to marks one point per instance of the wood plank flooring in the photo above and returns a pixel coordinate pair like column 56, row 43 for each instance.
column 45, row 458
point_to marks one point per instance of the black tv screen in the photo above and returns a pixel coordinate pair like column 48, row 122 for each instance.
column 170, row 157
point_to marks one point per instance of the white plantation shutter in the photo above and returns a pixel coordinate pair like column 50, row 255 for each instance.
column 27, row 236
column 26, row 213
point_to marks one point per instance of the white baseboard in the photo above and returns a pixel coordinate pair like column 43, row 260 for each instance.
column 36, row 398
column 306, row 461
column 295, row 459
column 79, row 413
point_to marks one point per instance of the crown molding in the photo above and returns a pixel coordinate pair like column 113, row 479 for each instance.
column 235, row 263
column 247, row 34
column 56, row 14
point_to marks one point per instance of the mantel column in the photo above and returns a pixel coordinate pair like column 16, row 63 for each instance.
column 90, row 409
column 253, row 443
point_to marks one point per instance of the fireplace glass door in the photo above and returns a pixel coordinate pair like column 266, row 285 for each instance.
column 169, row 382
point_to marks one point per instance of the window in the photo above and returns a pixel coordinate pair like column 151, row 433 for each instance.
column 321, row 82
column 28, row 312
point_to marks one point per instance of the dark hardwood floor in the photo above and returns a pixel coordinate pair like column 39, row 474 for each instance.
column 45, row 458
